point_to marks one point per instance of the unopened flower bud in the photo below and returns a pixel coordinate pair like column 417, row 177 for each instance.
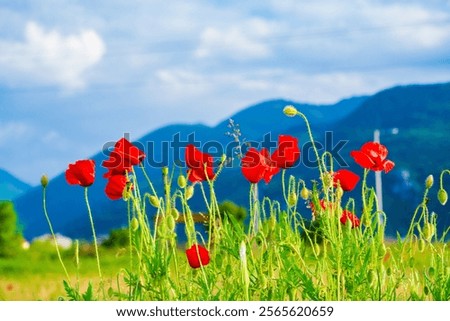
column 154, row 201
column 181, row 181
column 290, row 111
column 421, row 245
column 429, row 181
column 304, row 193
column 442, row 196
column 165, row 171
column 371, row 277
column 174, row 213
column 189, row 192
column 428, row 231
column 170, row 222
column 292, row 199
column 431, row 271
column 339, row 192
column 44, row 181
column 134, row 224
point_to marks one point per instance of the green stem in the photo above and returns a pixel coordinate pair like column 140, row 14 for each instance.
column 308, row 127
column 93, row 235
column 44, row 205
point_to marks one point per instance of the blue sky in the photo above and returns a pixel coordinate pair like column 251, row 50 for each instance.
column 77, row 74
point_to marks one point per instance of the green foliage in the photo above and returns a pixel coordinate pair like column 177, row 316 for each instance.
column 117, row 238
column 10, row 237
column 229, row 209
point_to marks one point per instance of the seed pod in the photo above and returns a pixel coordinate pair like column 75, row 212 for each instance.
column 442, row 196
column 181, row 181
column 304, row 193
column 429, row 181
column 154, row 201
column 134, row 224
column 189, row 192
column 290, row 111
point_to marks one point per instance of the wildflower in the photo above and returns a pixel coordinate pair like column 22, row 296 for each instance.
column 372, row 155
column 349, row 216
column 197, row 256
column 200, row 165
column 122, row 158
column 82, row 173
column 256, row 166
column 346, row 179
column 116, row 186
column 287, row 153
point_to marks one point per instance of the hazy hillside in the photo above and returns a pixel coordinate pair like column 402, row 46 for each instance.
column 421, row 147
column 10, row 186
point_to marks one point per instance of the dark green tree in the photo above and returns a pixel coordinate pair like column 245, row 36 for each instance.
column 10, row 236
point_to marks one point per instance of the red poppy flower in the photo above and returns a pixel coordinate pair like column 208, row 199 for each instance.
column 122, row 158
column 197, row 256
column 199, row 164
column 347, row 215
column 256, row 166
column 115, row 186
column 82, row 173
column 346, row 179
column 372, row 156
column 287, row 152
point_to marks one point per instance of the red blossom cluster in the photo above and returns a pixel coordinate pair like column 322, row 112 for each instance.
column 255, row 166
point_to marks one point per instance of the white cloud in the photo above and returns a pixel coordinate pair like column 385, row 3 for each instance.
column 239, row 42
column 50, row 58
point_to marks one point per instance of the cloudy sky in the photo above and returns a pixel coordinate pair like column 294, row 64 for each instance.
column 77, row 74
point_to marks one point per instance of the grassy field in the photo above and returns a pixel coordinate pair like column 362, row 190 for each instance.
column 36, row 274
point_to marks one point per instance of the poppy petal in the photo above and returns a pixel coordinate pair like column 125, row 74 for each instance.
column 362, row 159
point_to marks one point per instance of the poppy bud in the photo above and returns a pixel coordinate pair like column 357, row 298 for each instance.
column 170, row 222
column 339, row 192
column 411, row 262
column 165, row 171
column 174, row 213
column 428, row 231
column 316, row 249
column 371, row 277
column 181, row 181
column 431, row 271
column 389, row 271
column 442, row 196
column 154, row 201
column 134, row 224
column 421, row 245
column 304, row 193
column 290, row 111
column 426, row 290
column 292, row 199
column 44, row 181
column 429, row 181
column 382, row 250
column 189, row 192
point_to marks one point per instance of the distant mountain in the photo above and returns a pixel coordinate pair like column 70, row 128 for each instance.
column 10, row 186
column 421, row 147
